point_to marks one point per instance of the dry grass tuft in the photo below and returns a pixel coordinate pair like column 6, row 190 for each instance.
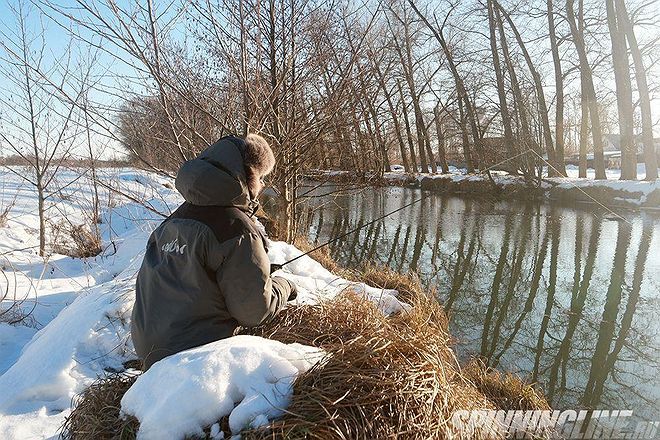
column 77, row 241
column 383, row 377
column 96, row 411
column 408, row 285
column 505, row 390
column 4, row 215
column 5, row 209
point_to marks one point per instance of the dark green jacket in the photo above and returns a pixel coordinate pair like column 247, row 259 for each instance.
column 205, row 270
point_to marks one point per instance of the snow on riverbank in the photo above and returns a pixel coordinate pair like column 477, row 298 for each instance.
column 78, row 328
column 611, row 192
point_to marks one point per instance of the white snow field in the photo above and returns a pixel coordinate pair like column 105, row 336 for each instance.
column 78, row 323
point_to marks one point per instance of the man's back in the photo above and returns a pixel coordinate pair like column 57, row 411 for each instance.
column 205, row 269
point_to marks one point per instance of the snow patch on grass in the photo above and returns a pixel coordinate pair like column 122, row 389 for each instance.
column 248, row 378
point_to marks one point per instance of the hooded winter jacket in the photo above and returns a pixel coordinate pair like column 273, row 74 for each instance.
column 205, row 269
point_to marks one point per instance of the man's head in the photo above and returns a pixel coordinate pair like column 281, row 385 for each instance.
column 259, row 161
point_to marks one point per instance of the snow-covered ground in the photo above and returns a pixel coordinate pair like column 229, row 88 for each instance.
column 79, row 315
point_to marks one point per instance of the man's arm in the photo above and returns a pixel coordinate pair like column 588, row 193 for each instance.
column 252, row 296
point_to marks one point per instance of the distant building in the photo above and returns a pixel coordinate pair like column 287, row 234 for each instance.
column 612, row 151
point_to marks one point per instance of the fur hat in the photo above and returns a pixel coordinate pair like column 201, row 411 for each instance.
column 259, row 160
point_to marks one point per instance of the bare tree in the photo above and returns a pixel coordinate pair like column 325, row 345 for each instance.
column 408, row 67
column 463, row 95
column 559, row 89
column 499, row 76
column 650, row 157
column 588, row 90
column 40, row 128
column 345, row 85
column 559, row 167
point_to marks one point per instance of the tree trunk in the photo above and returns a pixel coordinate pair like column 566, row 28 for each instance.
column 96, row 216
column 650, row 156
column 623, row 94
column 584, row 131
column 590, row 92
column 559, row 89
column 429, row 151
column 467, row 151
column 411, row 146
column 42, row 216
column 442, row 155
column 381, row 140
column 243, row 48
column 501, row 91
column 584, row 105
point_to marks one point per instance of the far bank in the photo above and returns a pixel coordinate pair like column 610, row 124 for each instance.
column 614, row 194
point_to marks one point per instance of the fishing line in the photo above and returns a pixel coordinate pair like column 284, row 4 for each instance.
column 605, row 207
column 278, row 266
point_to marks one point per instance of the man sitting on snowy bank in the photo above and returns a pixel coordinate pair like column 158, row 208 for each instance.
column 205, row 270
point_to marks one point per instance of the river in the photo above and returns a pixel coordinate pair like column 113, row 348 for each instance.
column 566, row 297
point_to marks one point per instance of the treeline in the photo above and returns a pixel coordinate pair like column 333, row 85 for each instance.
column 361, row 87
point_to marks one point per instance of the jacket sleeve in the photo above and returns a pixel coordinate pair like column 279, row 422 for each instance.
column 252, row 296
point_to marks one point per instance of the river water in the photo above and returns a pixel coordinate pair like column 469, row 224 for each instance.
column 567, row 297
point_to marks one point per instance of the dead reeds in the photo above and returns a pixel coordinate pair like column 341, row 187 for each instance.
column 76, row 241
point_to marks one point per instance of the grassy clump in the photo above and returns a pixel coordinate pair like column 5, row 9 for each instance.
column 383, row 377
column 507, row 391
column 408, row 285
column 96, row 411
column 76, row 241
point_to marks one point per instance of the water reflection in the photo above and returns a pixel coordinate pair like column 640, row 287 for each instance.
column 566, row 297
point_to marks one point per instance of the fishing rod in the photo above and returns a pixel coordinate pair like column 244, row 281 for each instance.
column 278, row 266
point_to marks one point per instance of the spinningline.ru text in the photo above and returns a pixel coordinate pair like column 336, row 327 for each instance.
column 568, row 424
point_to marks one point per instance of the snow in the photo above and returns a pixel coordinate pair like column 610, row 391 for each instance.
column 79, row 326
column 246, row 377
column 12, row 340
column 325, row 284
column 573, row 171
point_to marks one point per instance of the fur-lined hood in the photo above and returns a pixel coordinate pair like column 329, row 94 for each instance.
column 217, row 177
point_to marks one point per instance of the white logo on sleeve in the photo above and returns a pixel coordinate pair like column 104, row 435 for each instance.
column 173, row 246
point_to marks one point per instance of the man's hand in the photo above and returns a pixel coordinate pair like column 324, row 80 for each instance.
column 293, row 290
column 274, row 267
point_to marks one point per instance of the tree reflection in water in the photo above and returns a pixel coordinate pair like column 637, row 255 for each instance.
column 567, row 297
